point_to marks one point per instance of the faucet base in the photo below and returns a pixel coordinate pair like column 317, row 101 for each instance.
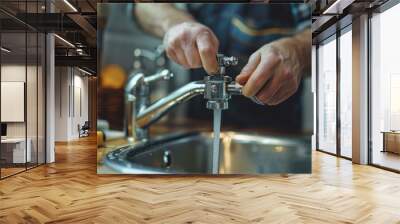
column 217, row 105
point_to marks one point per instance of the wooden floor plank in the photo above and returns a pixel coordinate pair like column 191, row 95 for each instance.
column 70, row 191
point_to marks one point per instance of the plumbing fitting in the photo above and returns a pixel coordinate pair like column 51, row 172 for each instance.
column 218, row 89
column 141, row 114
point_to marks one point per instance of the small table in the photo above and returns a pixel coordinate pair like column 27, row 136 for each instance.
column 13, row 150
column 391, row 141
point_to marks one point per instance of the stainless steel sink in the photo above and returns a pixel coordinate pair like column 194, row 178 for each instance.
column 191, row 153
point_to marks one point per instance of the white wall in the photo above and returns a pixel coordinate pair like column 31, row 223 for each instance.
column 81, row 100
column 61, row 103
column 14, row 73
column 71, row 94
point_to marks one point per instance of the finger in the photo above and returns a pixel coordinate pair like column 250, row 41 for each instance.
column 242, row 79
column 171, row 55
column 269, row 89
column 261, row 75
column 180, row 55
column 249, row 68
column 288, row 88
column 281, row 95
column 207, row 52
column 192, row 56
column 215, row 41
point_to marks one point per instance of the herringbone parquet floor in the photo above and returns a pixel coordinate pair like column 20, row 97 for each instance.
column 70, row 191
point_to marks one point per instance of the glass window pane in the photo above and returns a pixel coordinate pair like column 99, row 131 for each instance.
column 14, row 147
column 385, row 87
column 31, row 97
column 327, row 97
column 22, row 63
column 345, row 94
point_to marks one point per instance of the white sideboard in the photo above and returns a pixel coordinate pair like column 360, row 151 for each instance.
column 18, row 149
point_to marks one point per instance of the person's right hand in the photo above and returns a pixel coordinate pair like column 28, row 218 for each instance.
column 192, row 45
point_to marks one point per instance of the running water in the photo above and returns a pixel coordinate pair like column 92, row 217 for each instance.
column 217, row 128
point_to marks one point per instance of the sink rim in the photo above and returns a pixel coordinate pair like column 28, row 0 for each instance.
column 115, row 159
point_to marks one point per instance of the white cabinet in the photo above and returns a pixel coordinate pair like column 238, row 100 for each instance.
column 16, row 147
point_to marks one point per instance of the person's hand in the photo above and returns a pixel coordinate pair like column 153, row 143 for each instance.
column 192, row 45
column 273, row 73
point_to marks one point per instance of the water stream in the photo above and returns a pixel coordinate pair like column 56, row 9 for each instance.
column 216, row 143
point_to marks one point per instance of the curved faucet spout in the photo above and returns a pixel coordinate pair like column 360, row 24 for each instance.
column 154, row 112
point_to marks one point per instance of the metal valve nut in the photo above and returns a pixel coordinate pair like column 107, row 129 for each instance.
column 216, row 87
column 220, row 104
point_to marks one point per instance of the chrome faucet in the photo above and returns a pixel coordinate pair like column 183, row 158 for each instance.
column 137, row 99
column 139, row 114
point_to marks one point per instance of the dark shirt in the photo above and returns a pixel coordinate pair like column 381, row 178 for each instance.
column 242, row 29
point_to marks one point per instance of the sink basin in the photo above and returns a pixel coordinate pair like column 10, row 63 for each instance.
column 191, row 153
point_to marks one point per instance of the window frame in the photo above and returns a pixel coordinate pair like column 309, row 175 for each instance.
column 333, row 37
column 379, row 10
column 27, row 29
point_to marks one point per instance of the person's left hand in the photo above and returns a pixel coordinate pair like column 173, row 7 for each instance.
column 273, row 73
